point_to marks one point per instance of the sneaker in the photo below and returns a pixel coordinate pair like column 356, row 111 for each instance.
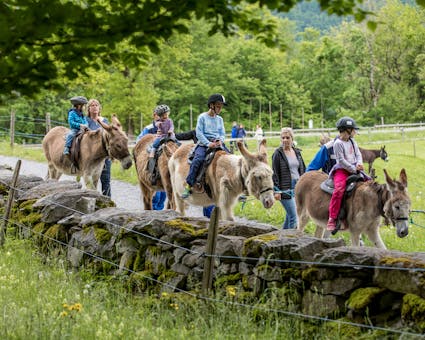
column 331, row 226
column 66, row 151
column 187, row 192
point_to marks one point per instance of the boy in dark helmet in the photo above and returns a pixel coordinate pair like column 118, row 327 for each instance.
column 76, row 120
column 210, row 133
column 348, row 161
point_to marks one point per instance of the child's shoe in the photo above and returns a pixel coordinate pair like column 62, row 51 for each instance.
column 187, row 192
column 331, row 226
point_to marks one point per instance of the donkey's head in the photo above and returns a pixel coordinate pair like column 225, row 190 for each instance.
column 258, row 174
column 383, row 154
column 397, row 207
column 117, row 142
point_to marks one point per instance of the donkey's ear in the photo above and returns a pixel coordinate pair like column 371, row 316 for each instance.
column 388, row 179
column 403, row 177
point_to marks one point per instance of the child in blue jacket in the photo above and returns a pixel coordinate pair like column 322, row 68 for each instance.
column 76, row 120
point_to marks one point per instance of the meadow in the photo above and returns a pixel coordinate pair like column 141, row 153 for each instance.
column 42, row 298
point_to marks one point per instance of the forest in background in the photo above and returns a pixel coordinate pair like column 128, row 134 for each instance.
column 320, row 76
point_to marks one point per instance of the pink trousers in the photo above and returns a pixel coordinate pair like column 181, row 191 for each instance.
column 340, row 179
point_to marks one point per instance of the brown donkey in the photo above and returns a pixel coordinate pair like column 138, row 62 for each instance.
column 95, row 147
column 141, row 159
column 369, row 156
column 228, row 176
column 369, row 202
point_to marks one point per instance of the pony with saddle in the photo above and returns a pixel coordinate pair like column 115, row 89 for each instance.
column 89, row 151
column 369, row 156
column 226, row 177
column 154, row 176
column 365, row 207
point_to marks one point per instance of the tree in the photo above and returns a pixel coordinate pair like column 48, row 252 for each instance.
column 41, row 41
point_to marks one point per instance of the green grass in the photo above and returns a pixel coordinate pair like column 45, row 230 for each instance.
column 41, row 299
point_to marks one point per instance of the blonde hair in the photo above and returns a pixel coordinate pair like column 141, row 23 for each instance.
column 287, row 130
column 91, row 101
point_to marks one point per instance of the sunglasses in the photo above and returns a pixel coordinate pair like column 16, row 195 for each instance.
column 284, row 137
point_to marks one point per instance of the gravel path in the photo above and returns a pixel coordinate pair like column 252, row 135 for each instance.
column 125, row 195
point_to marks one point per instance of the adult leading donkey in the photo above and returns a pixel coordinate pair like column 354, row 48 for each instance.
column 228, row 177
column 95, row 147
column 141, row 159
column 365, row 207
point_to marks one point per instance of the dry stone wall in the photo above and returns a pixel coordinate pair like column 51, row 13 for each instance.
column 160, row 251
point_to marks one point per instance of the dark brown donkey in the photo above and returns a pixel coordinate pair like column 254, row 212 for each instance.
column 369, row 156
column 365, row 207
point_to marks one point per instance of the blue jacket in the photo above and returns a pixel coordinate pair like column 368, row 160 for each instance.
column 234, row 131
column 75, row 119
column 241, row 133
column 151, row 128
column 324, row 158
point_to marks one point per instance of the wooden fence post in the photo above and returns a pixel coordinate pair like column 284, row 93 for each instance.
column 210, row 250
column 9, row 202
column 12, row 128
column 48, row 123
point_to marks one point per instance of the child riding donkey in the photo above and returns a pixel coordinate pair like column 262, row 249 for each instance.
column 76, row 120
column 348, row 161
column 165, row 129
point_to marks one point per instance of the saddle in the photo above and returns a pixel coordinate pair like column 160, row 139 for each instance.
column 75, row 151
column 152, row 162
column 328, row 187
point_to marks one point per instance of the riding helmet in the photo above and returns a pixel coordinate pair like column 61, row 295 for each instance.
column 78, row 100
column 346, row 123
column 216, row 98
column 161, row 109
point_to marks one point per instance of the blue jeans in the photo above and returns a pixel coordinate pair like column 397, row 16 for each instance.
column 207, row 211
column 198, row 160
column 105, row 178
column 195, row 166
column 158, row 200
column 70, row 136
column 291, row 220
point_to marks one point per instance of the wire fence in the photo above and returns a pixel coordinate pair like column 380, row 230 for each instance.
column 220, row 257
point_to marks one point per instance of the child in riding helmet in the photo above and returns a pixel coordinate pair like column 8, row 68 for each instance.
column 76, row 120
column 164, row 125
column 210, row 133
column 348, row 161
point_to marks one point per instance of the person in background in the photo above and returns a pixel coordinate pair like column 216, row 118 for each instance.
column 93, row 117
column 150, row 128
column 324, row 158
column 233, row 135
column 210, row 133
column 288, row 165
column 259, row 135
column 76, row 120
column 242, row 134
column 348, row 161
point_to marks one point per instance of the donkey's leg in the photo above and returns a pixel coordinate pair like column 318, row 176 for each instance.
column 374, row 236
column 88, row 180
column 302, row 218
column 179, row 204
column 52, row 172
column 355, row 238
column 147, row 194
column 320, row 232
